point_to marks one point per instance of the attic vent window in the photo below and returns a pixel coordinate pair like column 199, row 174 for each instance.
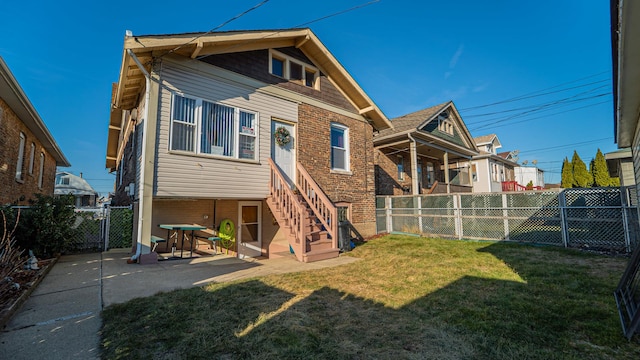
column 444, row 124
column 293, row 70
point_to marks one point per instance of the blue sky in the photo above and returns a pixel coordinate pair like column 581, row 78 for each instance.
column 407, row 55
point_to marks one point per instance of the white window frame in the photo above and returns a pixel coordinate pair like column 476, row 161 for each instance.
column 20, row 163
column 41, row 173
column 346, row 147
column 32, row 158
column 198, row 130
column 286, row 69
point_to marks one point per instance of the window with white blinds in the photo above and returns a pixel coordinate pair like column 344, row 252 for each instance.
column 204, row 127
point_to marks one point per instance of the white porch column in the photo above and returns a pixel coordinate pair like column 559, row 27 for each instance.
column 414, row 168
column 446, row 171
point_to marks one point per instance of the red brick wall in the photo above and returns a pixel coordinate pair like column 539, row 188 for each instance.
column 12, row 190
column 314, row 153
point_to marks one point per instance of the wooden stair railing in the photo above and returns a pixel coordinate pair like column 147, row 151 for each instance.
column 433, row 187
column 320, row 204
column 295, row 213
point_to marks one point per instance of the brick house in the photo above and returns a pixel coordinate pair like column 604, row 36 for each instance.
column 28, row 153
column 263, row 128
column 426, row 152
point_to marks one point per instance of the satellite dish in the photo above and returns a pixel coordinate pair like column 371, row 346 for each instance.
column 525, row 162
column 515, row 152
column 534, row 162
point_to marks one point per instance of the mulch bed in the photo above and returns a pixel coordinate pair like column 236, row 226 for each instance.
column 28, row 279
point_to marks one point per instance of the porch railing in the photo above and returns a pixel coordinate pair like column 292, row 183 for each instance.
column 292, row 210
column 514, row 186
column 322, row 207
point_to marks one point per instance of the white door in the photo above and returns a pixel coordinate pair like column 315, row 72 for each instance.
column 249, row 232
column 284, row 155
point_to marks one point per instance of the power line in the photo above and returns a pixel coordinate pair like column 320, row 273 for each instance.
column 525, row 96
column 547, row 116
column 541, row 110
column 568, row 145
column 217, row 27
column 297, row 26
column 530, row 106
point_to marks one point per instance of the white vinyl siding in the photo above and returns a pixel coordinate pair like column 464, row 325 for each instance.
column 202, row 174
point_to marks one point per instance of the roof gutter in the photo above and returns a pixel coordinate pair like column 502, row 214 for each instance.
column 141, row 187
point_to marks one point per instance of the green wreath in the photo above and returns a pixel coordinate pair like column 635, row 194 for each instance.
column 282, row 136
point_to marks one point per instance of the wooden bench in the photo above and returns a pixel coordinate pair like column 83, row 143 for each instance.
column 155, row 240
column 208, row 236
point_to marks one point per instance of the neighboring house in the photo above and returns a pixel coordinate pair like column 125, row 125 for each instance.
column 426, row 152
column 232, row 125
column 526, row 174
column 28, row 153
column 69, row 184
column 620, row 165
column 492, row 171
column 625, row 27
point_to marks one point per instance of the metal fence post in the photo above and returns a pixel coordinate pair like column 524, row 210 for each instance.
column 505, row 215
column 624, row 202
column 107, row 226
column 420, row 213
column 564, row 225
column 388, row 213
column 458, row 215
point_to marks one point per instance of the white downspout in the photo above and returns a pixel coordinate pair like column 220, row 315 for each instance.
column 141, row 187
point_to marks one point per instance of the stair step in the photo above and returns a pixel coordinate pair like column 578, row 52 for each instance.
column 317, row 255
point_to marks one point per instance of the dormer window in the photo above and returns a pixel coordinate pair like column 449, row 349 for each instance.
column 293, row 70
column 444, row 124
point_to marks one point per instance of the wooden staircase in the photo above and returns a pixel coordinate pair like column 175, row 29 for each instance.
column 308, row 217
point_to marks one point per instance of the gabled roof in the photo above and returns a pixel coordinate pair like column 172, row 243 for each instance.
column 413, row 120
column 145, row 48
column 194, row 45
column 484, row 139
column 77, row 185
column 505, row 154
column 14, row 96
column 413, row 123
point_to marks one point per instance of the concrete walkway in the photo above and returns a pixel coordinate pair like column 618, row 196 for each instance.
column 61, row 319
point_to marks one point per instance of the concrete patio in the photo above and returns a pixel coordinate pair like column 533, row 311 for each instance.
column 61, row 319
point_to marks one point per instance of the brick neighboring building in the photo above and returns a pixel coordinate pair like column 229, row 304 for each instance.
column 28, row 153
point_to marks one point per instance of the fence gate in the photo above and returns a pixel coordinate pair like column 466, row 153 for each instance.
column 102, row 229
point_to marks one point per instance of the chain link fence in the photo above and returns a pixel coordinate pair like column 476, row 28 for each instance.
column 597, row 218
column 102, row 229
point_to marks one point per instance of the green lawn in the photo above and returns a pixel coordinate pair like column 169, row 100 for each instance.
column 408, row 298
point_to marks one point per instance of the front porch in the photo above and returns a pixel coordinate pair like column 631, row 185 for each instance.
column 409, row 168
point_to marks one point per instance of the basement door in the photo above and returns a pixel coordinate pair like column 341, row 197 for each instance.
column 249, row 234
column 284, row 155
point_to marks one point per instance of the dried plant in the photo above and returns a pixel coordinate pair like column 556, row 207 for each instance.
column 10, row 258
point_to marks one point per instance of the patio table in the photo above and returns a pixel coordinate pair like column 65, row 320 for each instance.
column 182, row 227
